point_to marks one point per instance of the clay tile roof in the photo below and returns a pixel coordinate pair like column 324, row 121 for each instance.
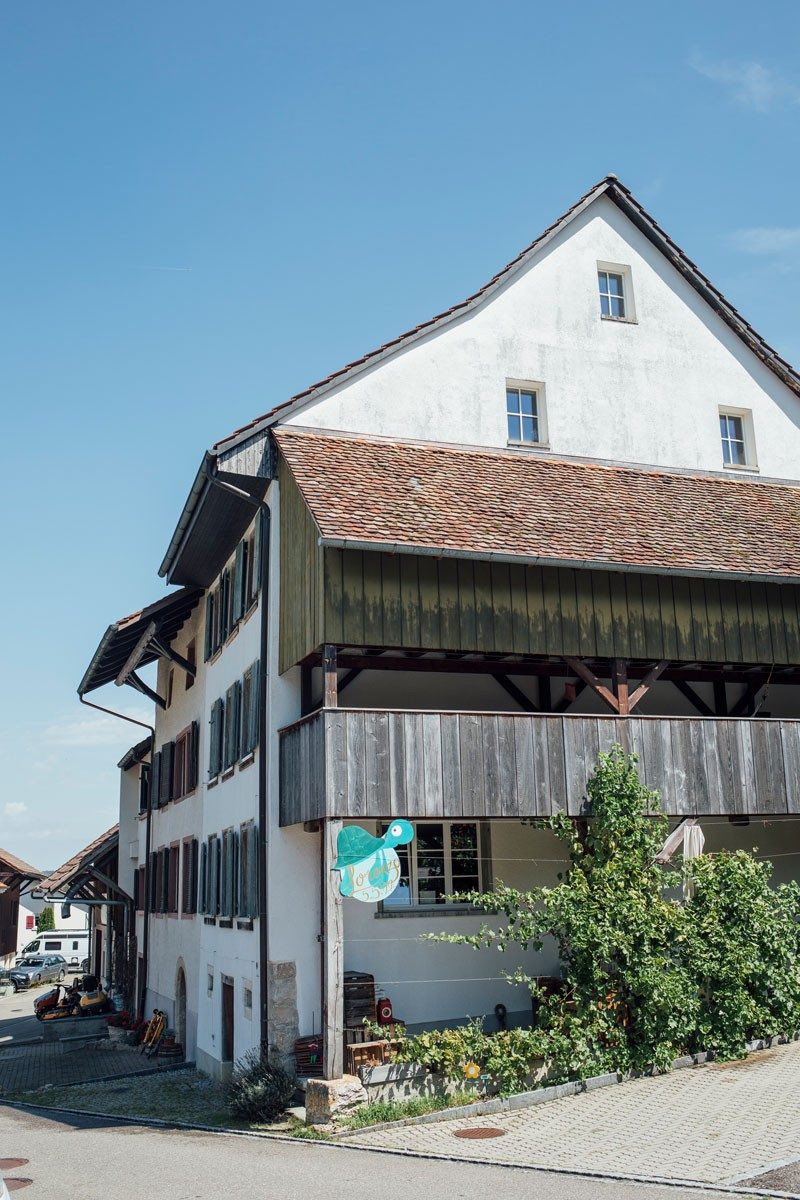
column 10, row 864
column 378, row 493
column 101, row 845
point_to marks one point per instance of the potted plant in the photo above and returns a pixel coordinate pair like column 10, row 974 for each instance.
column 118, row 1026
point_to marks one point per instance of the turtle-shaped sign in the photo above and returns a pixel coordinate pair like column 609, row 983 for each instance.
column 369, row 867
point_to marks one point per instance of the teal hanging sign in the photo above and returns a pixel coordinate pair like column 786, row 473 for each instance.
column 368, row 866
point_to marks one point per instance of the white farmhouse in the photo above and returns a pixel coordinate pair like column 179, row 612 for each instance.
column 433, row 586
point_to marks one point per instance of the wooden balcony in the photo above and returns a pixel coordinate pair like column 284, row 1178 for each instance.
column 367, row 763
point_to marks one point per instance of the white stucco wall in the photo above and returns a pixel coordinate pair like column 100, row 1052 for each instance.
column 644, row 392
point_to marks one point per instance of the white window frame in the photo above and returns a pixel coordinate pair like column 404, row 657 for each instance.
column 745, row 415
column 415, row 906
column 528, row 385
column 624, row 272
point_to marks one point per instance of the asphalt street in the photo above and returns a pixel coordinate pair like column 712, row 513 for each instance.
column 17, row 1021
column 102, row 1160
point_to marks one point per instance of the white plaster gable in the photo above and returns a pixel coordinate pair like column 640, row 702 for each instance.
column 644, row 392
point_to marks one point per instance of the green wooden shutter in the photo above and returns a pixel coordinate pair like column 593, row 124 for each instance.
column 215, row 739
column 209, row 637
column 194, row 756
column 167, row 761
column 239, row 583
column 236, row 907
column 155, row 780
column 252, row 872
column 255, row 701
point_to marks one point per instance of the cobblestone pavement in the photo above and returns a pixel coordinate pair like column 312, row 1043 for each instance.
column 24, row 1068
column 716, row 1124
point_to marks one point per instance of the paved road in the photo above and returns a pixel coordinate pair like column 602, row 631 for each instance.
column 16, row 1015
column 103, row 1161
column 718, row 1125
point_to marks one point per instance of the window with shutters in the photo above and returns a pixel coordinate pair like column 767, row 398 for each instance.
column 249, row 717
column 211, row 877
column 166, row 757
column 232, row 724
column 215, row 738
column 185, row 762
column 189, row 850
column 247, row 901
column 154, row 882
column 229, row 874
column 173, row 864
column 144, row 787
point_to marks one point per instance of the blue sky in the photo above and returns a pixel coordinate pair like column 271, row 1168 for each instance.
column 207, row 207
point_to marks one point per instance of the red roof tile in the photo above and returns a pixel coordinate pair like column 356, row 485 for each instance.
column 507, row 504
column 100, row 845
column 10, row 864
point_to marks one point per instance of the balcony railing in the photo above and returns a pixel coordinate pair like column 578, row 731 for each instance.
column 368, row 763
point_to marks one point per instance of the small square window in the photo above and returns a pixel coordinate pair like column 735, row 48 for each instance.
column 524, row 415
column 736, row 435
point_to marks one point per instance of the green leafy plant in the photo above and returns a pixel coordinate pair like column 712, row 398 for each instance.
column 259, row 1090
column 645, row 977
column 397, row 1110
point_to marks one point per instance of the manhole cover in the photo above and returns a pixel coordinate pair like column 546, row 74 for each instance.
column 16, row 1185
column 11, row 1164
column 480, row 1131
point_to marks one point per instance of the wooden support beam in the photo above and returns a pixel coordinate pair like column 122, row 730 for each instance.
column 619, row 683
column 132, row 661
column 332, row 936
column 166, row 651
column 141, row 686
column 583, row 672
column 691, row 695
column 330, row 680
column 647, row 683
column 525, row 703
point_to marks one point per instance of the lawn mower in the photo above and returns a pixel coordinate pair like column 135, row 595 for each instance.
column 81, row 999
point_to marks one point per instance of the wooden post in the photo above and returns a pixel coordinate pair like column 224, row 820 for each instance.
column 332, row 958
column 620, row 685
column 330, row 682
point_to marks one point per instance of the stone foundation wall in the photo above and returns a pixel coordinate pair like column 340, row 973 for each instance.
column 284, row 1025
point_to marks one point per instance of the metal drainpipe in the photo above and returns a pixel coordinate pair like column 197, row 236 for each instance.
column 263, row 925
column 146, row 929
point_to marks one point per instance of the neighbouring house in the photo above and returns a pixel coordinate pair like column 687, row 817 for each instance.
column 17, row 910
column 564, row 513
column 87, row 893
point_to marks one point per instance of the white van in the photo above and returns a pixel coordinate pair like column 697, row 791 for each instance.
column 73, row 944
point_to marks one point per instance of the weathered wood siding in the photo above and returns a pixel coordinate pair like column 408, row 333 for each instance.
column 301, row 601
column 367, row 764
column 365, row 598
column 416, row 601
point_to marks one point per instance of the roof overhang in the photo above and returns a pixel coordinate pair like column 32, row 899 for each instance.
column 137, row 754
column 128, row 643
column 16, row 873
column 219, row 508
column 86, row 869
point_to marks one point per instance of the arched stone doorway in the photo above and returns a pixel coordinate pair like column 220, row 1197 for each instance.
column 180, row 1005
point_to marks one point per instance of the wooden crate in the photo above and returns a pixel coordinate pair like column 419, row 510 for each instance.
column 367, row 1054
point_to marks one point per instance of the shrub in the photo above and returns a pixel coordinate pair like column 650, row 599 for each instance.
column 508, row 1057
column 259, row 1090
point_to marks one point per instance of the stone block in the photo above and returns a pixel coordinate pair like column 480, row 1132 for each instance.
column 329, row 1099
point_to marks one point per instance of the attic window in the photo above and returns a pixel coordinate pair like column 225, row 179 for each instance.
column 616, row 292
column 525, row 417
column 736, row 434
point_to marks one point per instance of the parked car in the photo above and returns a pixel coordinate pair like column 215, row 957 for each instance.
column 38, row 968
column 6, row 985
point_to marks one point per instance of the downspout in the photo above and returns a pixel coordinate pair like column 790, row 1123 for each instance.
column 263, row 815
column 146, row 927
